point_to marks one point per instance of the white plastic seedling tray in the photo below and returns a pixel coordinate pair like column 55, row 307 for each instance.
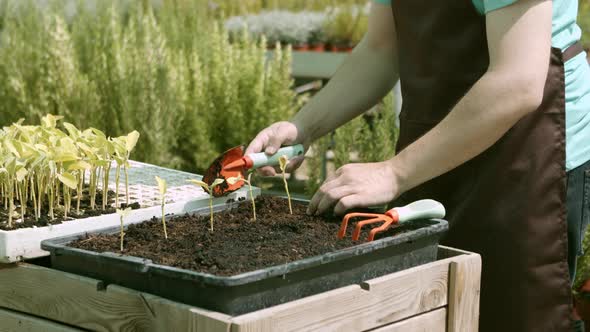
column 181, row 198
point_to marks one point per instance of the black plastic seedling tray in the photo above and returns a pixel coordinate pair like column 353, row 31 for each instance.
column 258, row 289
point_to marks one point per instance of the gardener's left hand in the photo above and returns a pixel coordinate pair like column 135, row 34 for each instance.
column 356, row 185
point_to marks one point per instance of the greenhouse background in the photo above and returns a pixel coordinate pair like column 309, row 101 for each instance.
column 122, row 208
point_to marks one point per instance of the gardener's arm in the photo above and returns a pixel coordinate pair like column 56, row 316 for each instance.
column 364, row 78
column 519, row 39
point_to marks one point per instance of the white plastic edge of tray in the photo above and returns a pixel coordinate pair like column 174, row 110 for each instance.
column 24, row 243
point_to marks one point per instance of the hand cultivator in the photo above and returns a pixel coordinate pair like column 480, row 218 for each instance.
column 423, row 209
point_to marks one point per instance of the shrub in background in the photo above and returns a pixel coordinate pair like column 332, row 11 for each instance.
column 173, row 76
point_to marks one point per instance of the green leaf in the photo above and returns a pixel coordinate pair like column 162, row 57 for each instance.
column 65, row 156
column 78, row 165
column 68, row 179
column 132, row 139
column 72, row 130
column 283, row 160
column 200, row 183
column 234, row 180
column 10, row 145
column 20, row 174
column 161, row 185
column 217, row 182
column 49, row 121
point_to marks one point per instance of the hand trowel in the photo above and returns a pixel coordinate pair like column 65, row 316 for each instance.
column 233, row 163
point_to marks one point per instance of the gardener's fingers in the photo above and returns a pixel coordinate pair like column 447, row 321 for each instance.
column 258, row 143
column 324, row 190
column 347, row 203
column 267, row 171
column 329, row 199
column 273, row 137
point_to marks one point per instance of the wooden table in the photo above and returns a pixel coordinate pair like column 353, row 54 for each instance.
column 439, row 296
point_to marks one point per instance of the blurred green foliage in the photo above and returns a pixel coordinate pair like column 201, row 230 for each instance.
column 584, row 22
column 173, row 76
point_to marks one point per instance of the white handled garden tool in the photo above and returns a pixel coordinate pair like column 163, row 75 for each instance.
column 233, row 163
column 423, row 209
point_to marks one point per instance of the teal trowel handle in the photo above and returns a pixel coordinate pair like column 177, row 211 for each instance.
column 262, row 159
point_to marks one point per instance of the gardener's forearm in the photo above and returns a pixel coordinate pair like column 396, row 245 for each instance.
column 364, row 79
column 485, row 114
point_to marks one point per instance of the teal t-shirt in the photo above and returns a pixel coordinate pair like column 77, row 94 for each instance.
column 565, row 32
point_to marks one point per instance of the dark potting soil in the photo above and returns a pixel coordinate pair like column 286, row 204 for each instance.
column 238, row 244
column 58, row 213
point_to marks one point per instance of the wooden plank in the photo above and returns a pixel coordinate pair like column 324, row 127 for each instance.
column 433, row 321
column 12, row 321
column 464, row 289
column 208, row 321
column 79, row 301
column 354, row 308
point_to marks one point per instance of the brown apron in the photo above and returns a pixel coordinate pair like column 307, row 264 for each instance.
column 508, row 204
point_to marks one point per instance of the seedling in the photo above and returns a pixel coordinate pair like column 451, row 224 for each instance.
column 122, row 214
column 234, row 180
column 283, row 160
column 209, row 190
column 40, row 165
column 162, row 188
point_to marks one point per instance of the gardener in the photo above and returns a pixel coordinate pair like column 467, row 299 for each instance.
column 483, row 130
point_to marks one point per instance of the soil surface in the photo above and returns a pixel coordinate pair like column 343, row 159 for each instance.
column 85, row 211
column 238, row 244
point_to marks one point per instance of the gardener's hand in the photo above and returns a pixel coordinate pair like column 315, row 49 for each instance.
column 356, row 185
column 271, row 138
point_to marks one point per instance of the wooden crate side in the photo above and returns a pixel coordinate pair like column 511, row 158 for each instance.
column 355, row 308
column 448, row 252
column 12, row 321
column 433, row 321
column 84, row 302
column 464, row 291
column 208, row 321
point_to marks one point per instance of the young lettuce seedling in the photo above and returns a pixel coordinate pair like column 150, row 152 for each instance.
column 162, row 188
column 209, row 190
column 283, row 160
column 234, row 180
column 123, row 213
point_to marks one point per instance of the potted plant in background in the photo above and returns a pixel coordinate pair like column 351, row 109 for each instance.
column 317, row 40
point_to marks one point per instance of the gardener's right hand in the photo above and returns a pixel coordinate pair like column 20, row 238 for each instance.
column 272, row 138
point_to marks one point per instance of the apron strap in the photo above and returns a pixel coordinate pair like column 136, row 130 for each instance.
column 572, row 51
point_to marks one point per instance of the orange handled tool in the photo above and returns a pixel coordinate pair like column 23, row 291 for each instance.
column 233, row 163
column 423, row 209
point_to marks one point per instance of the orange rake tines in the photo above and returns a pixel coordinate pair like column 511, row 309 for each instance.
column 423, row 209
column 390, row 217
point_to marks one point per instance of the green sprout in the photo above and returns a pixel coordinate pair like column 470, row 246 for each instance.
column 162, row 188
column 234, row 180
column 209, row 189
column 42, row 166
column 283, row 160
column 123, row 213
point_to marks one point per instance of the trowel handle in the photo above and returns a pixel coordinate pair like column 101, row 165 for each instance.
column 422, row 209
column 262, row 159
